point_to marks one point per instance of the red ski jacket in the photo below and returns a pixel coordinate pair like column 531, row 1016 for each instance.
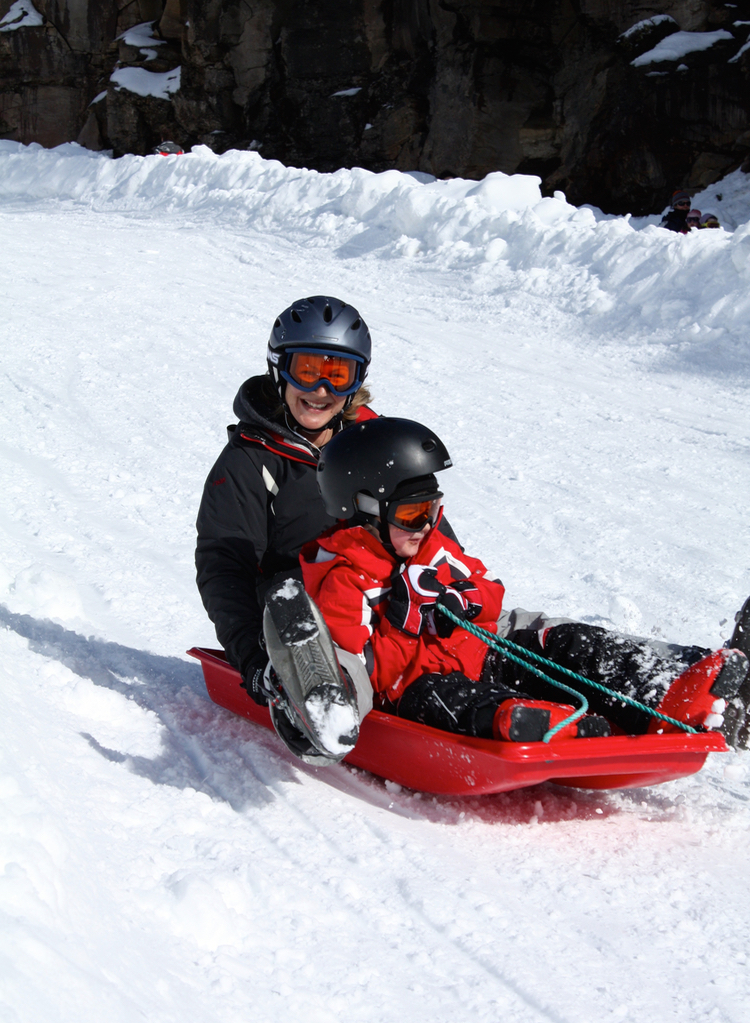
column 348, row 575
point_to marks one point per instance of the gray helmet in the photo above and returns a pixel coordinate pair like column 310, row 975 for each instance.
column 383, row 458
column 316, row 323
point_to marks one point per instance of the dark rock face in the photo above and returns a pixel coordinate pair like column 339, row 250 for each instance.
column 451, row 87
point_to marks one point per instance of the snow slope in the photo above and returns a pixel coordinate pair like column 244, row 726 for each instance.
column 589, row 374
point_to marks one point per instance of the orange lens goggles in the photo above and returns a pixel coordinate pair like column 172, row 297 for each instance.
column 414, row 515
column 308, row 370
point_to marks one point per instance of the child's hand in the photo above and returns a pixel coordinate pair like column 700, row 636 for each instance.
column 414, row 594
column 463, row 599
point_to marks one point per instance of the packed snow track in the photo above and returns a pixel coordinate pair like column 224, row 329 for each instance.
column 164, row 860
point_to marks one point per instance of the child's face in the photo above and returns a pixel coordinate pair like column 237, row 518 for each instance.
column 405, row 543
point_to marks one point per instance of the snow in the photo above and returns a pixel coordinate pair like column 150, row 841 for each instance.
column 142, row 37
column 743, row 49
column 21, row 14
column 147, row 83
column 333, row 722
column 658, row 19
column 289, row 590
column 347, row 92
column 589, row 374
column 679, row 44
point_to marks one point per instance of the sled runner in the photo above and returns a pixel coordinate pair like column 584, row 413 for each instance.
column 443, row 763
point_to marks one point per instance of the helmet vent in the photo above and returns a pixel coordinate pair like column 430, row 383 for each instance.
column 277, row 324
column 296, row 316
column 328, row 314
column 356, row 325
column 428, row 445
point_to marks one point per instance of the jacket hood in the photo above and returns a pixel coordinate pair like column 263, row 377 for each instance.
column 352, row 538
column 251, row 406
column 344, row 539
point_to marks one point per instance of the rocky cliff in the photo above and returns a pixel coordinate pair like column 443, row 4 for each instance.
column 615, row 102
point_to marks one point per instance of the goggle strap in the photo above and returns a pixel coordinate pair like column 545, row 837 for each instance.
column 335, row 352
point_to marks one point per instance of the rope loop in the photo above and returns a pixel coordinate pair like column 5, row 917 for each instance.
column 523, row 657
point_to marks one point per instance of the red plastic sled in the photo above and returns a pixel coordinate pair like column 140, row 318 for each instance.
column 429, row 760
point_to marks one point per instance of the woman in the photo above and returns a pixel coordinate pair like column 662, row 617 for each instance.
column 261, row 502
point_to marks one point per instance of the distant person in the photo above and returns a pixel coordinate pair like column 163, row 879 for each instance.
column 709, row 220
column 693, row 219
column 168, row 149
column 675, row 219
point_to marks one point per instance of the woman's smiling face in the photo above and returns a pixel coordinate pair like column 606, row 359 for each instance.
column 313, row 410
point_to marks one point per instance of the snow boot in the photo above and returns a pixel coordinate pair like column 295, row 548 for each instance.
column 736, row 728
column 523, row 720
column 701, row 694
column 740, row 638
column 316, row 702
column 295, row 740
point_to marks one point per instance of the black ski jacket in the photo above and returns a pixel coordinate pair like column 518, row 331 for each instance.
column 260, row 506
column 675, row 220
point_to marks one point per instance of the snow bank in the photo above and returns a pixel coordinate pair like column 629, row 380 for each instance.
column 243, row 182
column 500, row 225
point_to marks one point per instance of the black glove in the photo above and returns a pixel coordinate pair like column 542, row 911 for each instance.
column 463, row 599
column 252, row 678
column 416, row 591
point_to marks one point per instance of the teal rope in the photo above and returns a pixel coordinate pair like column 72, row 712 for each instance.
column 535, row 671
column 507, row 648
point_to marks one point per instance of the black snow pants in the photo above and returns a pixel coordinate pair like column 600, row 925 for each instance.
column 453, row 703
column 638, row 668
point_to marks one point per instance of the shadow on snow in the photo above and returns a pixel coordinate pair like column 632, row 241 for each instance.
column 233, row 760
column 204, row 746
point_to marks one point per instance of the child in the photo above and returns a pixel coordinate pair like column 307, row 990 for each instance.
column 377, row 580
column 709, row 220
column 693, row 219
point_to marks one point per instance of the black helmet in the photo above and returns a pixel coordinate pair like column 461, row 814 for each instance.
column 384, row 459
column 168, row 149
column 318, row 323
